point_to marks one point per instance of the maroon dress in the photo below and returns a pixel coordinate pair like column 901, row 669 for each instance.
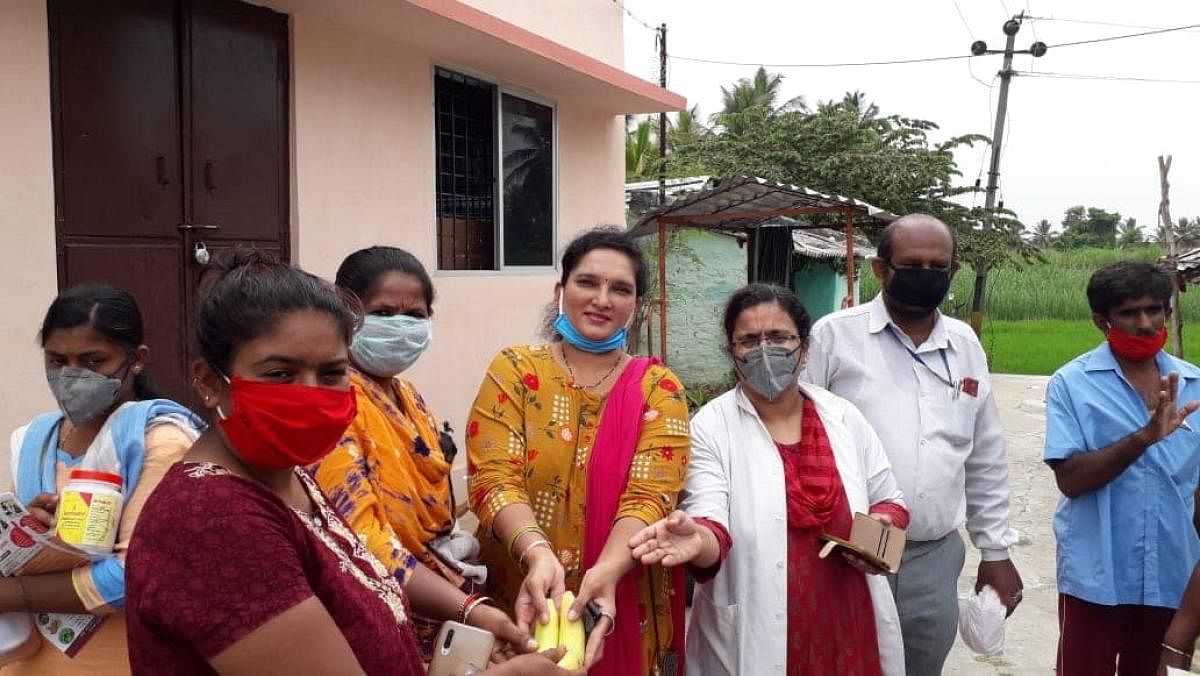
column 830, row 618
column 216, row 556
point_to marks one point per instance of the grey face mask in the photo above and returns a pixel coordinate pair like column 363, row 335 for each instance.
column 769, row 370
column 83, row 394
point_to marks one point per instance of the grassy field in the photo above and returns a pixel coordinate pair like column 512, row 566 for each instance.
column 1039, row 347
column 1037, row 317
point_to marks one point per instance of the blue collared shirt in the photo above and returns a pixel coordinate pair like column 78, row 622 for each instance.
column 1131, row 541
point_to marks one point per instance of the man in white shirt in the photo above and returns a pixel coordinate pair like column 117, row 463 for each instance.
column 921, row 380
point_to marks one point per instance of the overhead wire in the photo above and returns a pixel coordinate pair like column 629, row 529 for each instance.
column 1117, row 78
column 930, row 59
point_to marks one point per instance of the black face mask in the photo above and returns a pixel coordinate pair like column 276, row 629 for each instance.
column 918, row 287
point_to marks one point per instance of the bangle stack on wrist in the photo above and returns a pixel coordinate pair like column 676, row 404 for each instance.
column 523, row 530
column 469, row 603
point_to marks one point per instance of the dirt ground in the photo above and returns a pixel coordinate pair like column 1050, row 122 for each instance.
column 1031, row 634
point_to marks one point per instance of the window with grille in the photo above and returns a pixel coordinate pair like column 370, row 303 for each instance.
column 495, row 176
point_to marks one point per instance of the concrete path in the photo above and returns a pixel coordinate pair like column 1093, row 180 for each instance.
column 1031, row 634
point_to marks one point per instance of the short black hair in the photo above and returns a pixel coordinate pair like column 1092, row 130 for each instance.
column 758, row 293
column 361, row 271
column 111, row 312
column 606, row 237
column 251, row 292
column 1124, row 281
column 886, row 241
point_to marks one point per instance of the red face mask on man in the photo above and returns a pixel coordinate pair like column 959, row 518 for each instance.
column 277, row 426
column 1134, row 347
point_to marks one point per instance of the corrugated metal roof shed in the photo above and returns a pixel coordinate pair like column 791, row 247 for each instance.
column 750, row 201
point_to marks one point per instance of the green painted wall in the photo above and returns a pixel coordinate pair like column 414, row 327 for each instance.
column 822, row 288
column 703, row 268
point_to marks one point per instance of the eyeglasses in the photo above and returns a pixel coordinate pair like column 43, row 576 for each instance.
column 772, row 339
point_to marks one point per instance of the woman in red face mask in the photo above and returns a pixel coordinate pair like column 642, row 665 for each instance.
column 239, row 565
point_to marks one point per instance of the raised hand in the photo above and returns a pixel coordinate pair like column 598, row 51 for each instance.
column 1167, row 416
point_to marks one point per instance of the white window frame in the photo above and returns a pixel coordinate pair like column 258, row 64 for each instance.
column 502, row 88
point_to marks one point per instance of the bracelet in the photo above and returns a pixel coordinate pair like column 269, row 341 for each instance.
column 1168, row 648
column 528, row 528
column 25, row 604
column 612, row 622
column 469, row 603
column 535, row 543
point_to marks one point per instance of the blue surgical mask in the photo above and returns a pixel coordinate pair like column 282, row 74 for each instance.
column 574, row 338
column 386, row 346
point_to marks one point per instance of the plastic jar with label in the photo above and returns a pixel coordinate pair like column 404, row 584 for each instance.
column 89, row 511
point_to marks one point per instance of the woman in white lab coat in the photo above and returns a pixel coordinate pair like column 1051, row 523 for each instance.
column 774, row 465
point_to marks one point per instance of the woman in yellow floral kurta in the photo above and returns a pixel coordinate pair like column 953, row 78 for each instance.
column 530, row 436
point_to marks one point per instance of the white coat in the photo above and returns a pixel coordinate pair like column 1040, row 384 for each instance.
column 735, row 477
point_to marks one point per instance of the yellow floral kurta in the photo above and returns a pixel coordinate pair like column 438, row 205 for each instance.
column 529, row 439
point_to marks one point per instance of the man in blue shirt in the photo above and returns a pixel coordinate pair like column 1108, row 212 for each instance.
column 1127, row 463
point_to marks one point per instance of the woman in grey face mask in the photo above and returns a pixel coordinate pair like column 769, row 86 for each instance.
column 108, row 420
column 776, row 464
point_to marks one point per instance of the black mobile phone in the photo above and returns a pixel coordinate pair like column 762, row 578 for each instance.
column 591, row 615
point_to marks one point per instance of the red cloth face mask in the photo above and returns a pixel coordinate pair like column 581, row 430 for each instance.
column 1136, row 348
column 277, row 426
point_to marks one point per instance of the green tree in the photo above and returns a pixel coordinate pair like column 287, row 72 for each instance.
column 849, row 147
column 1129, row 234
column 641, row 151
column 1088, row 227
column 1043, row 235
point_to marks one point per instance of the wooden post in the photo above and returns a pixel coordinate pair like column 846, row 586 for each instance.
column 849, row 259
column 1164, row 214
column 662, row 291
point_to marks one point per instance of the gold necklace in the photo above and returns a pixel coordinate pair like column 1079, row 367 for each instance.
column 598, row 383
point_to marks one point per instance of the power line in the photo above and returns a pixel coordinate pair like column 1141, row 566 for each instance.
column 820, row 65
column 1118, row 78
column 897, row 62
column 1092, row 23
column 1123, row 37
column 970, row 34
column 633, row 16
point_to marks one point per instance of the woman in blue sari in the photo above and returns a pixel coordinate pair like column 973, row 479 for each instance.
column 108, row 420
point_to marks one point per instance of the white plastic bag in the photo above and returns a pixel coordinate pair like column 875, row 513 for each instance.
column 18, row 640
column 981, row 621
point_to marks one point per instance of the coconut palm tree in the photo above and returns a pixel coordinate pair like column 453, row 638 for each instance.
column 641, row 151
column 1129, row 234
column 1043, row 238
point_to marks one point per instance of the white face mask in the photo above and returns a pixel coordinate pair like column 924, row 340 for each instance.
column 386, row 346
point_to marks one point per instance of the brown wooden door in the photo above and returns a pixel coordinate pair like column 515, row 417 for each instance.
column 170, row 128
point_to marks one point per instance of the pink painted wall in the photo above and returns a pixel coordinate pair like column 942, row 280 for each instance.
column 28, row 272
column 362, row 174
column 364, row 170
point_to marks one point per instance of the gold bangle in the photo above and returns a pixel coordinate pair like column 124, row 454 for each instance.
column 536, row 543
column 523, row 530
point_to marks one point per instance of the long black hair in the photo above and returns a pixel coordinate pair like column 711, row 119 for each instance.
column 111, row 312
column 361, row 271
column 247, row 295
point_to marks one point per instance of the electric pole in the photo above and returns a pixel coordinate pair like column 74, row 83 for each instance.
column 662, row 117
column 979, row 48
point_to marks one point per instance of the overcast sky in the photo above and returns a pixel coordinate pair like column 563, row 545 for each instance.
column 1068, row 141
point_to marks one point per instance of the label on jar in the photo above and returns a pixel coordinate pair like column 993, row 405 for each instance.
column 88, row 519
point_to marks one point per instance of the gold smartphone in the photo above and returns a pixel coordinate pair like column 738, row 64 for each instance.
column 461, row 650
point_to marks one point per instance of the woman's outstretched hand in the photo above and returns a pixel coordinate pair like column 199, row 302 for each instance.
column 674, row 541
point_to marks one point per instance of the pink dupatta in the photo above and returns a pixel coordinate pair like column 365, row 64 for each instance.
column 608, row 475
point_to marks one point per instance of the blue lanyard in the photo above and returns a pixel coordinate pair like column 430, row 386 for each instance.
column 948, row 380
